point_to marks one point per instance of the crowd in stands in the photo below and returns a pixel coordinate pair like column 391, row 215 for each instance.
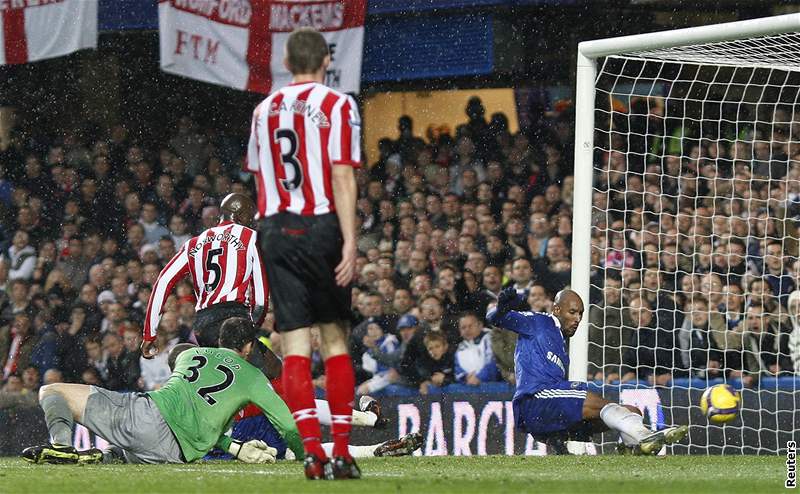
column 88, row 221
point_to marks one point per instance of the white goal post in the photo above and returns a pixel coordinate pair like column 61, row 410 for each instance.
column 734, row 59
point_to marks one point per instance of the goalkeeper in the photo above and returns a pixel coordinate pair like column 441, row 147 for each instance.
column 178, row 423
column 547, row 405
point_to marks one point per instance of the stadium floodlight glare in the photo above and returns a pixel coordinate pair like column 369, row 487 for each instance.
column 651, row 109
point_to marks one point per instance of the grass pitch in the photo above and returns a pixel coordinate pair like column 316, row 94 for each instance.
column 416, row 475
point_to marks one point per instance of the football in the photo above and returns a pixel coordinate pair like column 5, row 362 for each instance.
column 720, row 403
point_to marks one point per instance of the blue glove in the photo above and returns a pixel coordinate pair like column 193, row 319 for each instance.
column 507, row 300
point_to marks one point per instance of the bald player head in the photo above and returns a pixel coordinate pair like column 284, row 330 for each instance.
column 568, row 309
column 238, row 208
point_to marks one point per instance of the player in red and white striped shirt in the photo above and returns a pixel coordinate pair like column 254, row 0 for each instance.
column 304, row 145
column 225, row 266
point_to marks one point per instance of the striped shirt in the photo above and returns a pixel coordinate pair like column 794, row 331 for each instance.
column 225, row 266
column 296, row 136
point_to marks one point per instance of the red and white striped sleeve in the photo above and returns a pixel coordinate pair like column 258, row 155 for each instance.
column 176, row 268
column 345, row 136
column 251, row 161
column 259, row 284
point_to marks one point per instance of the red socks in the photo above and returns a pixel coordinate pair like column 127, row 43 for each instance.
column 340, row 390
column 299, row 395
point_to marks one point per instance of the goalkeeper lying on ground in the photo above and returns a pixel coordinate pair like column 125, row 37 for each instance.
column 178, row 423
column 186, row 418
column 547, row 405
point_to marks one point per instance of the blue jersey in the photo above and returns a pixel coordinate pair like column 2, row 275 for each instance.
column 540, row 359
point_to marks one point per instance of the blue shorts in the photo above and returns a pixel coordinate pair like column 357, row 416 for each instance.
column 256, row 427
column 554, row 409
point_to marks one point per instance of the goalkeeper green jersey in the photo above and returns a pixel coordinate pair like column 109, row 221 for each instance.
column 206, row 389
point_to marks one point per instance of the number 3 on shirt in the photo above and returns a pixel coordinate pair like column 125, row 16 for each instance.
column 205, row 391
column 289, row 159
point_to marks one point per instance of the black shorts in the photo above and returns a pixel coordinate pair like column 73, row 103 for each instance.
column 300, row 255
column 208, row 321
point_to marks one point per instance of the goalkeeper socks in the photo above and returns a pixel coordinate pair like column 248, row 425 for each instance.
column 627, row 423
column 58, row 417
column 340, row 386
column 299, row 393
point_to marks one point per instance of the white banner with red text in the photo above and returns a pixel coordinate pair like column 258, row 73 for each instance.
column 240, row 43
column 38, row 29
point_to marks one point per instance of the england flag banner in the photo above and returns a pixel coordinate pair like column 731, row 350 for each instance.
column 38, row 29
column 240, row 43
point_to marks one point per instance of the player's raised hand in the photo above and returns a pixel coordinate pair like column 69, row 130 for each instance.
column 254, row 451
column 149, row 350
column 506, row 299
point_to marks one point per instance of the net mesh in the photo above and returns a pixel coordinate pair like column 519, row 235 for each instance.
column 694, row 235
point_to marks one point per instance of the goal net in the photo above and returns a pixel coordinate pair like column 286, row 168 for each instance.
column 693, row 160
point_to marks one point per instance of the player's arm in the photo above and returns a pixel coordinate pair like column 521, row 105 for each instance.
column 258, row 285
column 175, row 269
column 278, row 414
column 251, row 162
column 503, row 316
column 345, row 156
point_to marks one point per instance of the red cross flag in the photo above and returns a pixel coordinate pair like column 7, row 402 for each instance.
column 240, row 43
column 38, row 29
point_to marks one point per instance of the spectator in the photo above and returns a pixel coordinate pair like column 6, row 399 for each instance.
column 705, row 356
column 18, row 301
column 74, row 266
column 153, row 229
column 765, row 350
column 607, row 333
column 438, row 369
column 538, row 299
column 775, row 274
column 649, row 349
column 554, row 269
column 379, row 359
column 16, row 345
column 13, row 395
column 521, row 274
column 178, row 230
column 22, row 257
column 117, row 377
column 474, row 361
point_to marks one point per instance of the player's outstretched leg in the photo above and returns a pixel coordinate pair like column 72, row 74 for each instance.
column 628, row 422
column 402, row 446
column 62, row 404
column 652, row 444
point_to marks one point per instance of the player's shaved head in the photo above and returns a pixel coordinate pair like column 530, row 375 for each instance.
column 566, row 296
column 175, row 353
column 568, row 309
column 238, row 208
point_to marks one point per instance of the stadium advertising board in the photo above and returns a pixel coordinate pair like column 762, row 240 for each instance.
column 475, row 424
column 240, row 43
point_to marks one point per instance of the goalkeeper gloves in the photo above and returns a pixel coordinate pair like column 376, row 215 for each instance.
column 254, row 451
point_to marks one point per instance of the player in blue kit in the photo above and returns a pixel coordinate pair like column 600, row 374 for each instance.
column 547, row 405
